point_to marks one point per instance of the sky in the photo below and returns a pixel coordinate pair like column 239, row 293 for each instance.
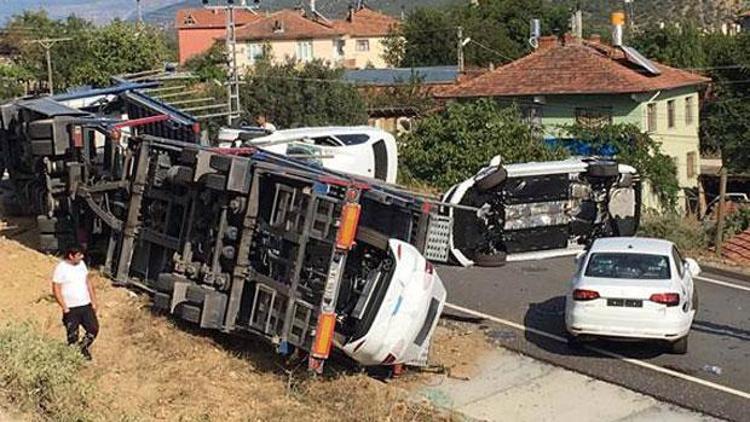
column 99, row 11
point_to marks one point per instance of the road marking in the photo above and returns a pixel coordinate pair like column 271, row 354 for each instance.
column 636, row 362
column 723, row 283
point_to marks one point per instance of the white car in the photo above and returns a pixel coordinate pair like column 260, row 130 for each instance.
column 397, row 311
column 633, row 288
column 360, row 150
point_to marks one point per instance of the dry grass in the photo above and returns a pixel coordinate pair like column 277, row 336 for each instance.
column 147, row 368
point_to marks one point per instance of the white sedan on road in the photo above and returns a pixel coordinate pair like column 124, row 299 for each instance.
column 633, row 288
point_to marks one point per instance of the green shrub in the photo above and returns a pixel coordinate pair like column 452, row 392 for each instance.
column 687, row 233
column 41, row 375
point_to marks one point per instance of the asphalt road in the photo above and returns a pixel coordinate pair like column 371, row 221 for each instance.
column 531, row 294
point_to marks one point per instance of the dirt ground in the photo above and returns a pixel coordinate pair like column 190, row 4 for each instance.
column 148, row 367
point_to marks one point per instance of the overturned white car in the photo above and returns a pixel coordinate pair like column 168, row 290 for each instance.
column 540, row 209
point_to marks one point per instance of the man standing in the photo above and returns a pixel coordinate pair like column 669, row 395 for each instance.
column 263, row 123
column 74, row 293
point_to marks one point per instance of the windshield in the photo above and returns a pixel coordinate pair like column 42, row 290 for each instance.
column 629, row 265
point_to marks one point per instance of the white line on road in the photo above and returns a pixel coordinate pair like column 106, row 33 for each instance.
column 636, row 362
column 723, row 283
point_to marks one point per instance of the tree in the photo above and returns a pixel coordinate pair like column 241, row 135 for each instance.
column 211, row 65
column 411, row 94
column 12, row 80
column 499, row 31
column 294, row 95
column 450, row 146
column 676, row 45
column 637, row 149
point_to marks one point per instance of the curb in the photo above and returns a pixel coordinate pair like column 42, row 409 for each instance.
column 725, row 273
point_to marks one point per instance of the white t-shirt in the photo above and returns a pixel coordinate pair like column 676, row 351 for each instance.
column 72, row 281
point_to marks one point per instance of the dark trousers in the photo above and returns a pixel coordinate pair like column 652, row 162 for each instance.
column 85, row 316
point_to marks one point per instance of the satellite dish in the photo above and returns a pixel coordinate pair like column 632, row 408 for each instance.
column 633, row 56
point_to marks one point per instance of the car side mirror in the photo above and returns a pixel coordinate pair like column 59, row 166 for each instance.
column 692, row 266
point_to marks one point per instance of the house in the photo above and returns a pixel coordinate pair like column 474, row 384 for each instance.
column 572, row 80
column 198, row 29
column 356, row 41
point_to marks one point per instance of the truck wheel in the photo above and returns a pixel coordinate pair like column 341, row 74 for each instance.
column 490, row 177
column 194, row 294
column 220, row 162
column 680, row 346
column 494, row 260
column 603, row 169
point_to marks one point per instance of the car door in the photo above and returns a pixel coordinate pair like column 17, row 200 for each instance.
column 686, row 278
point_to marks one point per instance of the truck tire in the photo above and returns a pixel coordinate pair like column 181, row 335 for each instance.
column 215, row 181
column 165, row 282
column 220, row 162
column 490, row 178
column 189, row 312
column 195, row 294
column 486, row 260
column 603, row 169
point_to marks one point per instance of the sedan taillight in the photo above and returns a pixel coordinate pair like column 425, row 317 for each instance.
column 582, row 294
column 669, row 299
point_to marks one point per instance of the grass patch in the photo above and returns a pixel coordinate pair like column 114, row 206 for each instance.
column 689, row 234
column 41, row 376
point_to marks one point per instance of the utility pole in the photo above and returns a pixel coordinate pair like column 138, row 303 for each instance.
column 139, row 11
column 233, row 85
column 460, row 49
column 47, row 44
column 720, row 212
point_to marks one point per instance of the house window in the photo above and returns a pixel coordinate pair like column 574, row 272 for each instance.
column 532, row 114
column 670, row 114
column 363, row 45
column 338, row 48
column 688, row 111
column 651, row 117
column 692, row 164
column 304, row 51
column 594, row 117
column 254, row 52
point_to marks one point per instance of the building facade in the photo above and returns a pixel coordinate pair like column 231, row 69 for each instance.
column 584, row 81
column 198, row 29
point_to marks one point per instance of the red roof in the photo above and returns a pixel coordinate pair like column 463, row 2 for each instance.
column 366, row 22
column 210, row 18
column 286, row 25
column 573, row 67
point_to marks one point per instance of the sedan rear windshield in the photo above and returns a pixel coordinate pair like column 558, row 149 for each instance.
column 629, row 266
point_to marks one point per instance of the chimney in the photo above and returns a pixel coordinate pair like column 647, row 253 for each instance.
column 312, row 8
column 618, row 21
column 535, row 31
column 546, row 42
column 350, row 16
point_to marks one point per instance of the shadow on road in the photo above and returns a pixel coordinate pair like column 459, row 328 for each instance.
column 549, row 317
column 720, row 330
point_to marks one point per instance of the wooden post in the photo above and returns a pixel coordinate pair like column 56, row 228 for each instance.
column 701, row 199
column 720, row 212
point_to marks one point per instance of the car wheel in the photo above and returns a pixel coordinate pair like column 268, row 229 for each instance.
column 574, row 342
column 490, row 178
column 486, row 260
column 696, row 300
column 680, row 346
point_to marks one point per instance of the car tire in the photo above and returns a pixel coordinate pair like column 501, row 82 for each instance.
column 696, row 300
column 490, row 178
column 495, row 260
column 574, row 342
column 680, row 346
column 603, row 169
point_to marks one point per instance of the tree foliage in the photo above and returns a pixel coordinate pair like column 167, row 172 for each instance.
column 293, row 95
column 639, row 150
column 451, row 145
column 211, row 65
column 499, row 31
column 93, row 54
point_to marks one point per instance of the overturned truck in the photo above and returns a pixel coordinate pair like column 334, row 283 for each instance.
column 237, row 240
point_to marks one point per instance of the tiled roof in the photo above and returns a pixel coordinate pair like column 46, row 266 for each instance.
column 573, row 67
column 366, row 22
column 210, row 18
column 737, row 248
column 286, row 25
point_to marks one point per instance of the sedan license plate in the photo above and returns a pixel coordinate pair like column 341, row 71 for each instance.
column 628, row 303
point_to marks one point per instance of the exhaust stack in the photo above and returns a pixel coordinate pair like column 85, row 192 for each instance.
column 618, row 22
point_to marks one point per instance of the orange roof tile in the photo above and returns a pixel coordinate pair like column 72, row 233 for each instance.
column 210, row 18
column 366, row 22
column 286, row 24
column 572, row 68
